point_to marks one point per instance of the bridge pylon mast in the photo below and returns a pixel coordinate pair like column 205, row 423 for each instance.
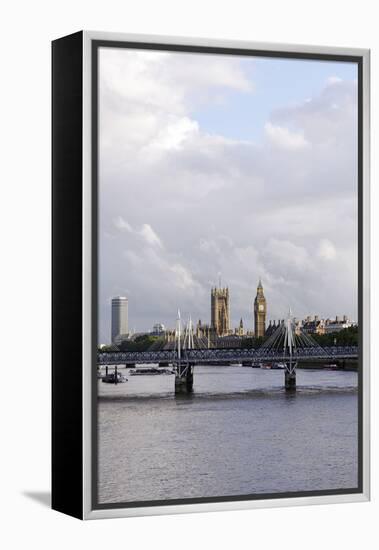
column 288, row 352
column 178, row 337
column 184, row 369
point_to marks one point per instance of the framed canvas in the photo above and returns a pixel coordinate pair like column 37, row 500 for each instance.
column 210, row 275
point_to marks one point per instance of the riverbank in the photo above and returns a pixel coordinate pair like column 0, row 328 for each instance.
column 347, row 365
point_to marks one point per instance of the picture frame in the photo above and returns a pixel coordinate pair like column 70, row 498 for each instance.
column 76, row 274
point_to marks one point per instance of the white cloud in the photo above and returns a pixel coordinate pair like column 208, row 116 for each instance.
column 286, row 256
column 146, row 231
column 319, row 121
column 326, row 250
column 209, row 247
column 280, row 136
column 122, row 224
column 150, row 236
column 182, row 277
column 174, row 134
column 333, row 80
column 146, row 96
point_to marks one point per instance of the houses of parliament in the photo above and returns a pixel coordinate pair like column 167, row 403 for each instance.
column 220, row 316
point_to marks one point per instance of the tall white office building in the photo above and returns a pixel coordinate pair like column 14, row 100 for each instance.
column 119, row 316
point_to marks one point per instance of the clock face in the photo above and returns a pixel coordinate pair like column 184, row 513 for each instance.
column 261, row 307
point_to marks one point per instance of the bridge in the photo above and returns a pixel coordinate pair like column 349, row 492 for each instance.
column 286, row 345
column 221, row 356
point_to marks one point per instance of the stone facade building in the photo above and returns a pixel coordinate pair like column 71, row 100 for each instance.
column 220, row 311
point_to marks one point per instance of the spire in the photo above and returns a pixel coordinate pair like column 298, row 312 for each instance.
column 260, row 284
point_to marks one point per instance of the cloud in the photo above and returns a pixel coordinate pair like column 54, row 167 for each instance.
column 280, row 136
column 146, row 231
column 172, row 80
column 286, row 256
column 146, row 97
column 150, row 236
column 319, row 120
column 333, row 80
column 183, row 277
column 123, row 225
column 179, row 205
column 326, row 250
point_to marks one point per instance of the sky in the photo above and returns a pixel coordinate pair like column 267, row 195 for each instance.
column 223, row 166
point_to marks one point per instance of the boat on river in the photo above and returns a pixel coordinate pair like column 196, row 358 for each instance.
column 114, row 378
column 332, row 366
column 273, row 366
column 149, row 371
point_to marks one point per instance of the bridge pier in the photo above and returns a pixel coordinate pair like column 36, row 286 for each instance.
column 184, row 379
column 290, row 377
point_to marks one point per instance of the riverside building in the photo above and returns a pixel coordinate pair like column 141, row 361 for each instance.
column 119, row 317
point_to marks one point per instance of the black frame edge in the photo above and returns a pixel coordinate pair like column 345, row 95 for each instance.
column 67, row 364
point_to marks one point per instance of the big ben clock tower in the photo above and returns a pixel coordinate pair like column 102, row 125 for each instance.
column 260, row 310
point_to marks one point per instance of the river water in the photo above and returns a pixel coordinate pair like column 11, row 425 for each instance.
column 237, row 434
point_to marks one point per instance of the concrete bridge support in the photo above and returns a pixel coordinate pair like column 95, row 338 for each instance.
column 290, row 378
column 184, row 379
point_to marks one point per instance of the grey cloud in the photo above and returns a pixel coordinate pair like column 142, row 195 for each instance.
column 211, row 205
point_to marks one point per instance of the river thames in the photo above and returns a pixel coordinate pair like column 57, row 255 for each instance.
column 238, row 433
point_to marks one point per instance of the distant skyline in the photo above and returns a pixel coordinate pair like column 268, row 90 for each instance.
column 218, row 164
